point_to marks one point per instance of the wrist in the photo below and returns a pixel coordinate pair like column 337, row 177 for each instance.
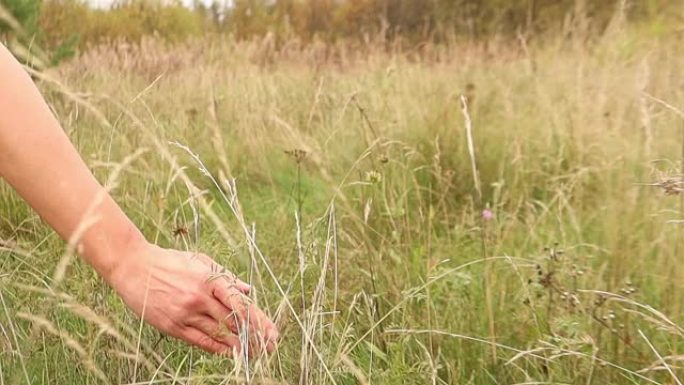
column 110, row 250
column 133, row 249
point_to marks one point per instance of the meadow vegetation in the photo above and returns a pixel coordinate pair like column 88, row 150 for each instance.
column 462, row 212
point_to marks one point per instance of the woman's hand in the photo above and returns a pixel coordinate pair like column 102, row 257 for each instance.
column 191, row 297
column 184, row 295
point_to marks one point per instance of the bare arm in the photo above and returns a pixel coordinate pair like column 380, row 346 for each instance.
column 39, row 161
column 170, row 289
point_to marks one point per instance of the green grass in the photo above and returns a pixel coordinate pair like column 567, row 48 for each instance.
column 395, row 288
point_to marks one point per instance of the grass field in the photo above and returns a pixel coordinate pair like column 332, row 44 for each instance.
column 356, row 213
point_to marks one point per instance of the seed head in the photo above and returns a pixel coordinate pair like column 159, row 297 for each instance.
column 373, row 177
column 297, row 154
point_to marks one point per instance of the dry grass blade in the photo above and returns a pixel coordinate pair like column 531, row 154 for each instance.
column 667, row 105
column 471, row 147
column 521, row 353
column 660, row 358
column 662, row 318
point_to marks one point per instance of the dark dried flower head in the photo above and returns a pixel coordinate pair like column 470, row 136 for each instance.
column 180, row 232
column 297, row 154
column 470, row 93
column 672, row 186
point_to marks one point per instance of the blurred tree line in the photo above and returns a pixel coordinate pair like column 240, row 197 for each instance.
column 67, row 24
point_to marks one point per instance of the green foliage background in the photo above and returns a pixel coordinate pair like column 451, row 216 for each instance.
column 25, row 11
column 66, row 24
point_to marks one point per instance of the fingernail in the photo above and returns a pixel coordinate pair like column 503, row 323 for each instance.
column 244, row 287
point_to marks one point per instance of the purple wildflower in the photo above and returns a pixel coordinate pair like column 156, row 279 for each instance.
column 487, row 214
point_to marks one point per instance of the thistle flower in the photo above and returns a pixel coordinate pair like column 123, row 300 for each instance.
column 487, row 214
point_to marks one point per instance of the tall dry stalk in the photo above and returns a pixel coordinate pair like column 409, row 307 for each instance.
column 486, row 281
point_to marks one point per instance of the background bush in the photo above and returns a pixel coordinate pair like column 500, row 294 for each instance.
column 66, row 24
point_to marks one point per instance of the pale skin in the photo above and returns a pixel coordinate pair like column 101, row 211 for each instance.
column 177, row 292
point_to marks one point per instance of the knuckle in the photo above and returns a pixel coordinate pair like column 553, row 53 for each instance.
column 166, row 327
column 204, row 341
column 193, row 301
column 208, row 260
column 195, row 339
column 210, row 345
column 171, row 328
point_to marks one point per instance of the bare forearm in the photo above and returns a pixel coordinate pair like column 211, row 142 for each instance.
column 39, row 161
